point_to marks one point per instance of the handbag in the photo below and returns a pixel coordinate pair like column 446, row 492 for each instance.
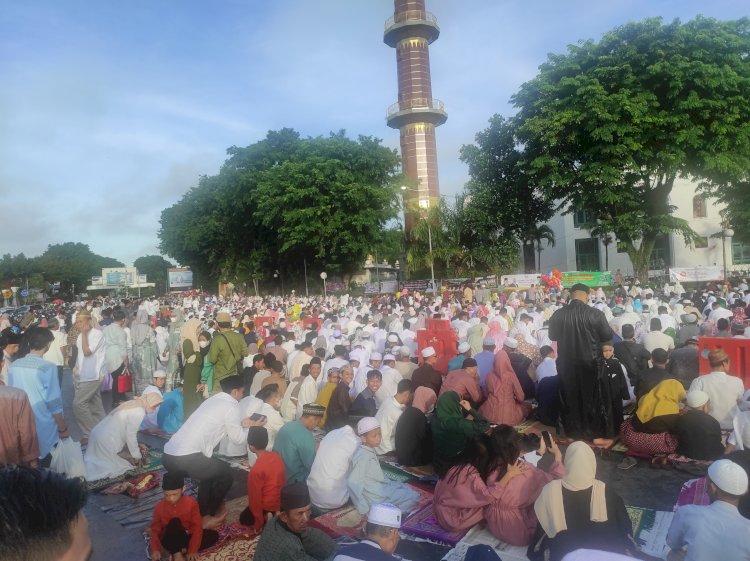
column 125, row 381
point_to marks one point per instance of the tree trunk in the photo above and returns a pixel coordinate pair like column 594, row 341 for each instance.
column 641, row 256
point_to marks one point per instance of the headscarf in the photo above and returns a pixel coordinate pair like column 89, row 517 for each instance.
column 448, row 410
column 580, row 474
column 151, row 399
column 141, row 329
column 424, row 399
column 664, row 399
column 190, row 332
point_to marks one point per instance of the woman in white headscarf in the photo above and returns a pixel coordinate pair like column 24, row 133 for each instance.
column 116, row 434
column 579, row 511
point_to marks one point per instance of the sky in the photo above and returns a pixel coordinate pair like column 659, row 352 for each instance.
column 110, row 111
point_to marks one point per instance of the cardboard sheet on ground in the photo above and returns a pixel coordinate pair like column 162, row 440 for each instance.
column 650, row 529
column 480, row 535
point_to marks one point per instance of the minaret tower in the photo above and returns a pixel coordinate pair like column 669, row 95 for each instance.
column 416, row 114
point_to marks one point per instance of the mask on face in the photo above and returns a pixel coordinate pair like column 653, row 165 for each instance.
column 203, row 344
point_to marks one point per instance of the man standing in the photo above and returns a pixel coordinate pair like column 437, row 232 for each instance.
column 18, row 440
column 485, row 359
column 90, row 366
column 579, row 331
column 116, row 352
column 227, row 349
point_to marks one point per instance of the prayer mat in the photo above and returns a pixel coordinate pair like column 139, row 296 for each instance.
column 650, row 529
column 396, row 473
column 154, row 464
column 693, row 492
column 416, row 471
column 237, row 462
column 531, row 425
column 479, row 534
column 423, row 524
column 689, row 465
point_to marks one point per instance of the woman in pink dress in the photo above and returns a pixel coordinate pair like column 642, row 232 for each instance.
column 505, row 398
column 462, row 495
column 511, row 517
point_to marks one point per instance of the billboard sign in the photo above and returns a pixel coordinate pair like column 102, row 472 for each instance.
column 521, row 280
column 589, row 278
column 118, row 278
column 695, row 274
column 180, row 279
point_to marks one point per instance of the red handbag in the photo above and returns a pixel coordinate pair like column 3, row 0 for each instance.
column 125, row 382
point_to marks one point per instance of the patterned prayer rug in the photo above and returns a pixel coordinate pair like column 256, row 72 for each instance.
column 650, row 529
column 693, row 492
column 423, row 524
column 154, row 464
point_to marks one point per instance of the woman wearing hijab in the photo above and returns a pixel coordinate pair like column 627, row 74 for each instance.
column 117, row 431
column 505, row 397
column 325, row 394
column 193, row 360
column 413, row 436
column 652, row 430
column 455, row 421
column 175, row 327
column 579, row 511
column 337, row 412
column 144, row 352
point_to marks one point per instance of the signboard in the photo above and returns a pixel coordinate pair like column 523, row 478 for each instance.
column 418, row 285
column 696, row 274
column 521, row 280
column 97, row 280
column 142, row 279
column 385, row 286
column 453, row 284
column 24, row 293
column 589, row 278
column 118, row 278
column 180, row 279
column 489, row 282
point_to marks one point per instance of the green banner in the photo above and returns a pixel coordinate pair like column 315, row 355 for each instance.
column 589, row 278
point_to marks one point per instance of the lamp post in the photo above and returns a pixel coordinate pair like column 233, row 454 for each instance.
column 725, row 233
column 425, row 203
column 324, row 276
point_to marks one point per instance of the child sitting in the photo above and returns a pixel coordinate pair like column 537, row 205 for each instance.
column 264, row 482
column 177, row 527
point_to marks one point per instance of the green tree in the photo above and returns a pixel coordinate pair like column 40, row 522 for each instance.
column 155, row 268
column 283, row 200
column 609, row 126
column 72, row 264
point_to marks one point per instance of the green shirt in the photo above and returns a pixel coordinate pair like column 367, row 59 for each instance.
column 296, row 446
column 226, row 350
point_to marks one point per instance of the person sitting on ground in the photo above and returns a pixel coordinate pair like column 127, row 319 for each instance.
column 413, row 435
column 633, row 355
column 170, row 415
column 269, row 408
column 296, row 445
column 656, row 339
column 718, row 530
column 464, row 352
column 739, row 438
column 42, row 516
column 366, row 483
column 522, row 366
column 453, row 424
column 683, row 362
column 381, row 536
column 337, row 412
column 652, row 430
column 327, row 479
column 308, row 388
column 287, row 536
column 276, row 377
column 466, row 489
column 465, row 382
column 177, row 527
column 104, row 455
column 510, row 517
column 264, row 482
column 548, row 388
column 425, row 374
column 698, row 432
column 505, row 397
column 364, row 405
column 158, row 381
column 324, row 395
column 291, row 395
column 724, row 390
column 657, row 373
column 389, row 414
column 579, row 511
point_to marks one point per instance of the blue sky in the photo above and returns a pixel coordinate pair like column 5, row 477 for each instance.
column 109, row 111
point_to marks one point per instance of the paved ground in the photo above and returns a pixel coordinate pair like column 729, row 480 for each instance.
column 640, row 486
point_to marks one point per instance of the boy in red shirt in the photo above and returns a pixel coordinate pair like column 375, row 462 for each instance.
column 264, row 482
column 177, row 527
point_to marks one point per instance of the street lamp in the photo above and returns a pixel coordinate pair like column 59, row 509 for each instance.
column 425, row 203
column 324, row 276
column 725, row 233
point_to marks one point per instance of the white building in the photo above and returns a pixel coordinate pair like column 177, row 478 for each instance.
column 576, row 250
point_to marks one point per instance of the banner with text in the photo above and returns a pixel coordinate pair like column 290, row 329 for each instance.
column 521, row 280
column 695, row 274
column 589, row 278
column 180, row 279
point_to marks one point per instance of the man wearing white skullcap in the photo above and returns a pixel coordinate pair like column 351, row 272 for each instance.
column 698, row 432
column 717, row 531
column 382, row 537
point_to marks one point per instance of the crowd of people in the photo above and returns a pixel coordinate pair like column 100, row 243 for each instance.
column 315, row 391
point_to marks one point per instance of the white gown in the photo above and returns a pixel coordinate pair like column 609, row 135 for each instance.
column 108, row 438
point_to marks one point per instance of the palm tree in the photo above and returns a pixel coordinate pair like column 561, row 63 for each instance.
column 537, row 234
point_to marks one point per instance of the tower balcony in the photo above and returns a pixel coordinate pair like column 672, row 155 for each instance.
column 411, row 23
column 416, row 110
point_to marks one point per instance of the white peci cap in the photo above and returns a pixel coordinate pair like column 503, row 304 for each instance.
column 511, row 343
column 366, row 424
column 697, row 398
column 464, row 347
column 159, row 374
column 728, row 476
column 427, row 352
column 385, row 514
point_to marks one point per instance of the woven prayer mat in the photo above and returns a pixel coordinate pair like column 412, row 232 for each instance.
column 416, row 471
column 693, row 492
column 236, row 462
column 396, row 473
column 423, row 524
column 650, row 529
column 154, row 464
column 346, row 521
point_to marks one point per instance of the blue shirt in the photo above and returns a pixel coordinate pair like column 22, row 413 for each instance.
column 717, row 531
column 457, row 362
column 38, row 378
column 170, row 415
column 485, row 364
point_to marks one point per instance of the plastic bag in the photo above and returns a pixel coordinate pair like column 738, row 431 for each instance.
column 67, row 458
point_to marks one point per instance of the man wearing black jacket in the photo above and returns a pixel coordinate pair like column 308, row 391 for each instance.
column 632, row 355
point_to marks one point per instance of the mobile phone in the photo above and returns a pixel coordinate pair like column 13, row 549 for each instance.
column 547, row 438
column 257, row 417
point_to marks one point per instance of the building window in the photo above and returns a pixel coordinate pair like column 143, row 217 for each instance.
column 699, row 206
column 660, row 256
column 701, row 243
column 740, row 253
column 582, row 218
column 587, row 254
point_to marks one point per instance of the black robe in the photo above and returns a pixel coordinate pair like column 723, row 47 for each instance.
column 579, row 331
column 611, row 389
column 413, row 438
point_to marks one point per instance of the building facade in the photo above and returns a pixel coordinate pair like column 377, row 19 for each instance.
column 576, row 250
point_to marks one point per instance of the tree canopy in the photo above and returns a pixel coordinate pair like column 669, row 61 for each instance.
column 609, row 126
column 155, row 268
column 284, row 199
